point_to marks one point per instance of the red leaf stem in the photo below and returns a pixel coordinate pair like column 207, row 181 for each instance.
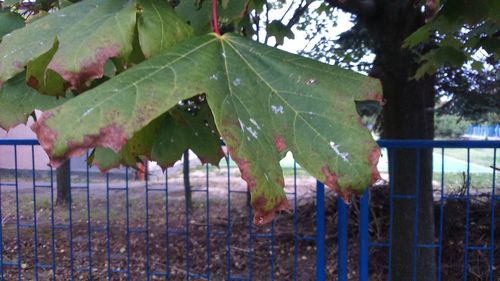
column 215, row 18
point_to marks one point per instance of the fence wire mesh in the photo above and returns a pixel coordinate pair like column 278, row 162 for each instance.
column 117, row 226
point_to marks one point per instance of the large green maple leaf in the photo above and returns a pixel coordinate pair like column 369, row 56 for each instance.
column 265, row 102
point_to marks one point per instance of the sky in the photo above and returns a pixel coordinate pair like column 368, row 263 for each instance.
column 342, row 24
column 299, row 42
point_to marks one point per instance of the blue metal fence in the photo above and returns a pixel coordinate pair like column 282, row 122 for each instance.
column 118, row 228
column 484, row 131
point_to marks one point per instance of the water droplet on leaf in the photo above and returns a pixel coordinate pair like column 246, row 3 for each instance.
column 237, row 82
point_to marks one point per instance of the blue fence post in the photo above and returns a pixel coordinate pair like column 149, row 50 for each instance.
column 18, row 222
column 1, row 232
column 363, row 236
column 35, row 225
column 493, row 208
column 320, row 232
column 342, row 225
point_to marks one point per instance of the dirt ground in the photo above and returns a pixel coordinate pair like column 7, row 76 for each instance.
column 219, row 240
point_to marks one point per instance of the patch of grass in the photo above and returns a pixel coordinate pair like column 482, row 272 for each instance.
column 456, row 182
column 481, row 156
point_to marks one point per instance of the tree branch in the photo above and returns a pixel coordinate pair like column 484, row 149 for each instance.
column 361, row 8
column 298, row 13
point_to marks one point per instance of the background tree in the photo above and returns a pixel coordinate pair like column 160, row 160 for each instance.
column 452, row 38
column 63, row 182
column 187, row 183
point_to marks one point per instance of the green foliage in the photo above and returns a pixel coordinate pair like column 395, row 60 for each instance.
column 159, row 16
column 18, row 101
column 450, row 126
column 10, row 2
column 198, row 14
column 189, row 125
column 87, row 34
column 279, row 31
column 475, row 93
column 187, row 93
column 349, row 50
column 460, row 30
column 9, row 21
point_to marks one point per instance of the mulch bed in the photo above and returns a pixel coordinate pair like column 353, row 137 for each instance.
column 202, row 253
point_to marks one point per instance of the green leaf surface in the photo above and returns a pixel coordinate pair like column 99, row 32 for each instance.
column 198, row 14
column 432, row 60
column 159, row 27
column 9, row 21
column 46, row 81
column 89, row 33
column 85, row 46
column 462, row 29
column 166, row 138
column 18, row 101
column 37, row 38
column 265, row 102
column 183, row 130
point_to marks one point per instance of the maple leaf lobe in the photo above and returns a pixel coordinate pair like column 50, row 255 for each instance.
column 263, row 216
column 89, row 70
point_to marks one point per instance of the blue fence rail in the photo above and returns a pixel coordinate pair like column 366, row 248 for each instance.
column 118, row 228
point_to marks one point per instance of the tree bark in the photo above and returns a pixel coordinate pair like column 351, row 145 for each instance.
column 408, row 113
column 63, row 181
column 187, row 184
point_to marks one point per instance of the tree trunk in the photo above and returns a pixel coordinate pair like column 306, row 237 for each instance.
column 187, row 184
column 408, row 114
column 63, row 180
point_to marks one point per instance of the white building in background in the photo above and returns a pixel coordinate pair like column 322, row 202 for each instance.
column 78, row 164
column 23, row 153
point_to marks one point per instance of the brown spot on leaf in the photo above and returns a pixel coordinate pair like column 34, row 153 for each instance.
column 33, row 82
column 376, row 96
column 263, row 216
column 89, row 70
column 373, row 158
column 112, row 136
column 360, row 121
column 244, row 167
column 280, row 144
column 281, row 181
column 46, row 136
column 331, row 182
